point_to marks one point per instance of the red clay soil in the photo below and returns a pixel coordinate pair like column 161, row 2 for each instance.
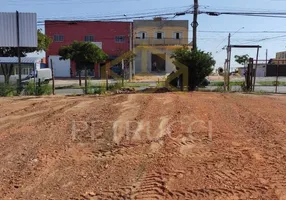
column 143, row 146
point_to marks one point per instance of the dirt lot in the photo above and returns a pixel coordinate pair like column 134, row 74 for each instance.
column 175, row 146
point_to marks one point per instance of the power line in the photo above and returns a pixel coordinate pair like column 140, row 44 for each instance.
column 115, row 18
column 147, row 11
column 244, row 32
column 70, row 2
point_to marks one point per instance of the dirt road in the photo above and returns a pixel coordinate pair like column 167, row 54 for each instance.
column 143, row 146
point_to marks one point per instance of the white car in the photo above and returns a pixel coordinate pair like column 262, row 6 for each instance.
column 42, row 75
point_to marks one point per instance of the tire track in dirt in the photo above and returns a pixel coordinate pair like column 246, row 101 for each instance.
column 153, row 184
column 56, row 148
column 261, row 133
column 148, row 185
column 26, row 157
column 242, row 160
column 273, row 137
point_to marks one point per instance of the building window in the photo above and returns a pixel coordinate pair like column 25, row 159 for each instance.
column 177, row 35
column 58, row 38
column 88, row 38
column 159, row 35
column 119, row 39
column 142, row 35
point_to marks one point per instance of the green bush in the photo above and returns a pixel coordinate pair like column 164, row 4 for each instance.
column 115, row 86
column 8, row 90
column 196, row 64
column 89, row 88
column 42, row 89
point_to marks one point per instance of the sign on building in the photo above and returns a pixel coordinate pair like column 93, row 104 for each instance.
column 27, row 29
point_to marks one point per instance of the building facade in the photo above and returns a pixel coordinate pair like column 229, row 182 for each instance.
column 281, row 58
column 112, row 37
column 154, row 42
column 28, row 65
column 260, row 70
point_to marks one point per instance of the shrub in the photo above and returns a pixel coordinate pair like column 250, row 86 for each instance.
column 8, row 90
column 199, row 65
column 89, row 88
column 43, row 89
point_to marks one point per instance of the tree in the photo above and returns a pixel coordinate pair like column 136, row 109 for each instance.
column 43, row 44
column 242, row 60
column 199, row 63
column 82, row 53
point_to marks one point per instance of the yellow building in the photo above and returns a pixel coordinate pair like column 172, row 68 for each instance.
column 281, row 57
column 154, row 42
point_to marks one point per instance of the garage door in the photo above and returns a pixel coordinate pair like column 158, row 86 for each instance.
column 61, row 67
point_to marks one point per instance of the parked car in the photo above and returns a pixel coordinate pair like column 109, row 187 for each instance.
column 42, row 75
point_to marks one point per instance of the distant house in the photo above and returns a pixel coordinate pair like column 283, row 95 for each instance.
column 111, row 36
column 28, row 65
column 154, row 42
column 280, row 58
column 260, row 72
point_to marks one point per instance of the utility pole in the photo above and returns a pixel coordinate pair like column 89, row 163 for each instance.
column 228, row 62
column 130, row 49
column 266, row 56
column 18, row 51
column 53, row 76
column 195, row 24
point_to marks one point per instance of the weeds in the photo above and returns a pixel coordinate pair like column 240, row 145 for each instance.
column 37, row 89
column 272, row 83
column 8, row 90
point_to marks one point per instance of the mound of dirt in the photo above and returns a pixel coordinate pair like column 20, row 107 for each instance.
column 156, row 90
column 202, row 146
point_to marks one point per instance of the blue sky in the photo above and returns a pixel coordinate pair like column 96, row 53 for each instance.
column 210, row 42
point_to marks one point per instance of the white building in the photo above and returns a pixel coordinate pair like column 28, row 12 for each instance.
column 28, row 65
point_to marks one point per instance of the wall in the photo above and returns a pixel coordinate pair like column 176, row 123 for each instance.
column 104, row 32
column 272, row 70
column 168, row 27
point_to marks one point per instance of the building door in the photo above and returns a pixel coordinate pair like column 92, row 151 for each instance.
column 61, row 67
column 158, row 62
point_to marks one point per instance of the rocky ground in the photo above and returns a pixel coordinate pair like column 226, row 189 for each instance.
column 143, row 146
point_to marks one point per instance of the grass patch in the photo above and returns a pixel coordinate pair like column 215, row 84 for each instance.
column 8, row 90
column 42, row 89
column 161, row 84
column 272, row 83
column 100, row 88
column 136, row 85
column 221, row 83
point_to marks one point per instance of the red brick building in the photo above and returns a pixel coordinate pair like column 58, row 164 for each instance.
column 114, row 37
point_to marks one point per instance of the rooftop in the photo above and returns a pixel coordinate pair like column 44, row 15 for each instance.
column 14, row 60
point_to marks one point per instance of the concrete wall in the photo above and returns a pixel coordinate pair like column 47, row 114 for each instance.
column 261, row 72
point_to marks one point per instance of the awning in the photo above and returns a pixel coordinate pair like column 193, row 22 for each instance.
column 14, row 60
